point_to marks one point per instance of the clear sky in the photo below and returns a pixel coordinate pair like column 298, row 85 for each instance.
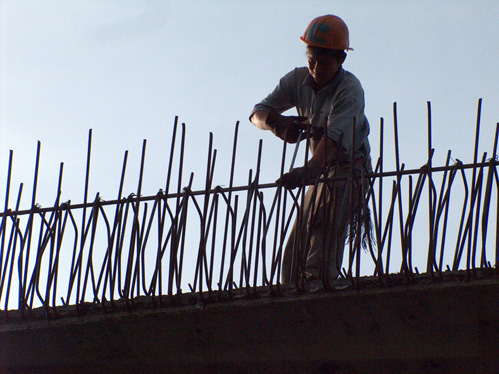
column 126, row 68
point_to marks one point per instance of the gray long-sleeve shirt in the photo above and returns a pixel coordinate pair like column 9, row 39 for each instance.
column 337, row 105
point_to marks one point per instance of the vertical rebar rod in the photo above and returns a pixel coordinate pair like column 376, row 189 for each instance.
column 228, row 210
column 157, row 277
column 115, row 237
column 496, row 178
column 79, row 297
column 202, row 240
column 3, row 227
column 277, row 241
column 175, row 241
column 254, row 215
column 380, row 195
column 398, row 166
column 135, row 242
column 461, row 238
column 431, row 211
column 443, row 208
column 26, row 245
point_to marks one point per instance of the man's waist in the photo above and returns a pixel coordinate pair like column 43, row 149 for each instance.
column 359, row 162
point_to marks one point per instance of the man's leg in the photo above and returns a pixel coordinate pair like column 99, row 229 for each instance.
column 328, row 225
column 296, row 246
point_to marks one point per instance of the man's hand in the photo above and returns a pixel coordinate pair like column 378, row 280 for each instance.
column 300, row 176
column 288, row 128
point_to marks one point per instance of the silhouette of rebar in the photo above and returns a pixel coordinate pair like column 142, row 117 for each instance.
column 228, row 239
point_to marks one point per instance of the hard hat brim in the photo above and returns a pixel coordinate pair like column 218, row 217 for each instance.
column 322, row 46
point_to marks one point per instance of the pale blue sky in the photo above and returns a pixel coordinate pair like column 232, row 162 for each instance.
column 126, row 68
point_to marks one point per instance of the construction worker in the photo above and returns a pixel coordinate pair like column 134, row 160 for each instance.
column 330, row 101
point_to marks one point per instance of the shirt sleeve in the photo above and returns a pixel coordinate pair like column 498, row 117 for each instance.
column 347, row 109
column 282, row 98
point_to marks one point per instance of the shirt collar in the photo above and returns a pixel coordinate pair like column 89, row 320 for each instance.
column 331, row 87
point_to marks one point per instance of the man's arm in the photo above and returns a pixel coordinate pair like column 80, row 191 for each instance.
column 324, row 153
column 285, row 127
column 323, row 156
column 259, row 119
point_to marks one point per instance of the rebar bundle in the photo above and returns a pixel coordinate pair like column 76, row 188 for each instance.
column 220, row 242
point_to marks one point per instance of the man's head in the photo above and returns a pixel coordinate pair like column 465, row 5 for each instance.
column 327, row 39
column 323, row 64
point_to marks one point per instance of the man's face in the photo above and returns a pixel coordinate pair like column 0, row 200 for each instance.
column 322, row 68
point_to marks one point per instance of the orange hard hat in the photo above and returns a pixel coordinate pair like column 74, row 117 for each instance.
column 327, row 32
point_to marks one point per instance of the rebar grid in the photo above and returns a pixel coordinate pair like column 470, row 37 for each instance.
column 220, row 242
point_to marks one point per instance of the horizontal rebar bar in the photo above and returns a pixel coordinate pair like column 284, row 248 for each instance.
column 219, row 189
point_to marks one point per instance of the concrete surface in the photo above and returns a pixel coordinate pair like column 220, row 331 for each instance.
column 434, row 328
